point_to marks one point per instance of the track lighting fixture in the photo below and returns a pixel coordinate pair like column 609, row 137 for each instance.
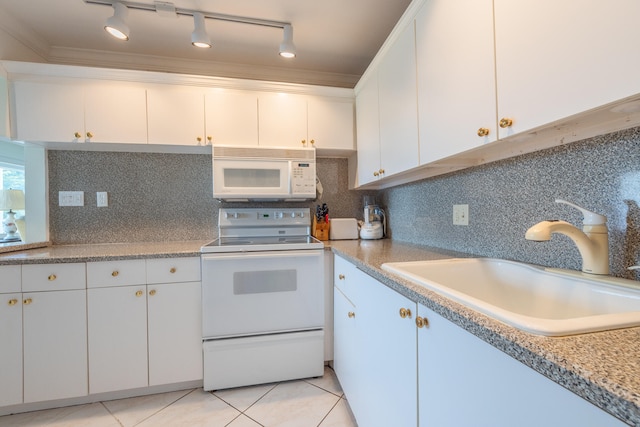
column 199, row 37
column 287, row 48
column 116, row 25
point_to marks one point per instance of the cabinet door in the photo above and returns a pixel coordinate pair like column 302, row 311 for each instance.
column 49, row 112
column 368, row 131
column 231, row 117
column 387, row 339
column 398, row 106
column 11, row 349
column 55, row 345
column 555, row 59
column 331, row 123
column 115, row 113
column 456, row 78
column 175, row 332
column 117, row 324
column 458, row 370
column 175, row 116
column 282, row 120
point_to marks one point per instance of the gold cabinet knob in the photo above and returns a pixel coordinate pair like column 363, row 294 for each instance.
column 341, row 276
column 313, row 141
column 173, row 270
column 351, row 314
column 505, row 122
column 405, row 312
column 303, row 142
column 52, row 277
column 199, row 139
column 209, row 139
column 115, row 273
column 483, row 132
column 422, row 322
column 139, row 293
column 376, row 173
column 27, row 301
column 381, row 171
column 77, row 134
column 152, row 292
column 89, row 135
column 13, row 301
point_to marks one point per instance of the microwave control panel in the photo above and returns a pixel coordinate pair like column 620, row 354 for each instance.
column 303, row 178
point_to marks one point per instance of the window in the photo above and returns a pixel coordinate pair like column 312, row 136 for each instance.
column 12, row 176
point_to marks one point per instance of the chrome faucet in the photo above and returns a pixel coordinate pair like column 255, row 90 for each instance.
column 592, row 241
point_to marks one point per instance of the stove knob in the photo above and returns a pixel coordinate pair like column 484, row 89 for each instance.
column 226, row 215
column 279, row 215
column 293, row 214
column 236, row 215
column 301, row 214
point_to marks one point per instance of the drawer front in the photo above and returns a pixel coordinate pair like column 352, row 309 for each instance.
column 345, row 275
column 172, row 270
column 106, row 274
column 11, row 278
column 53, row 277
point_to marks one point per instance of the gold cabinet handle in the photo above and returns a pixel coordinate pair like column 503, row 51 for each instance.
column 209, row 139
column 303, row 142
column 341, row 276
column 52, row 277
column 152, row 292
column 483, row 132
column 13, row 301
column 351, row 315
column 27, row 301
column 313, row 141
column 199, row 139
column 376, row 173
column 115, row 273
column 505, row 122
column 77, row 134
column 89, row 135
column 405, row 312
column 139, row 293
column 173, row 270
column 381, row 171
column 422, row 322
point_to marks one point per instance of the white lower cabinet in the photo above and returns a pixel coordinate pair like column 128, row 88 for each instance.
column 396, row 374
column 55, row 345
column 11, row 349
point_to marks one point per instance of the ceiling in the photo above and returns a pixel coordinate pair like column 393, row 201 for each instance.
column 335, row 39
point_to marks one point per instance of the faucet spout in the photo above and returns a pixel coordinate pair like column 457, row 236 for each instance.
column 593, row 243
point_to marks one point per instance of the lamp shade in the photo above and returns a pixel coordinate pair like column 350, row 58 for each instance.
column 11, row 200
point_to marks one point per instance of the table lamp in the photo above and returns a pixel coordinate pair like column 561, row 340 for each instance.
column 9, row 200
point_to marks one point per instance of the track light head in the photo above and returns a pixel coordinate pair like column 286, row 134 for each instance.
column 199, row 37
column 116, row 25
column 287, row 48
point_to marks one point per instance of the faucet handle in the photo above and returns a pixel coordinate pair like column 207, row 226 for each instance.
column 590, row 218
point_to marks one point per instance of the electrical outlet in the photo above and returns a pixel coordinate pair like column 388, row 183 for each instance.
column 70, row 198
column 460, row 214
column 102, row 199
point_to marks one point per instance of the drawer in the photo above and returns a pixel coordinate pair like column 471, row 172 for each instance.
column 104, row 274
column 345, row 276
column 11, row 278
column 172, row 270
column 53, row 277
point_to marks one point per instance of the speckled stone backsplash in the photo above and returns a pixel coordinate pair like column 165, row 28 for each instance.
column 158, row 197
column 505, row 198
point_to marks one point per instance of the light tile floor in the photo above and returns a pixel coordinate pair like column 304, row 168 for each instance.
column 314, row 402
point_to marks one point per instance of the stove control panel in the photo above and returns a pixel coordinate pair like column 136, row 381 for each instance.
column 264, row 217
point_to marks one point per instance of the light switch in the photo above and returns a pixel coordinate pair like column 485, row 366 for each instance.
column 102, row 199
column 460, row 214
column 70, row 198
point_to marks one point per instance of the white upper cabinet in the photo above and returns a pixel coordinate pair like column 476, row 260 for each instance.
column 556, row 59
column 456, row 77
column 80, row 112
column 398, row 105
column 175, row 115
column 330, row 123
column 282, row 120
column 368, row 130
column 231, row 117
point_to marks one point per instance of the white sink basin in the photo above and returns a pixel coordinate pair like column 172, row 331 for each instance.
column 542, row 301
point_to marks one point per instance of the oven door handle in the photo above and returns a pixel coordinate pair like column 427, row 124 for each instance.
column 271, row 254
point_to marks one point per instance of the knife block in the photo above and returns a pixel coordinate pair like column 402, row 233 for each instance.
column 320, row 230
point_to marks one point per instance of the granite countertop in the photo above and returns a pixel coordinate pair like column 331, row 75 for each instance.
column 601, row 367
column 102, row 252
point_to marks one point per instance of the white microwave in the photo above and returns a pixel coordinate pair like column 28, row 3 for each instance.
column 263, row 174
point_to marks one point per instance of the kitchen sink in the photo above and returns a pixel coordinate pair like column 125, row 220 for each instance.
column 551, row 302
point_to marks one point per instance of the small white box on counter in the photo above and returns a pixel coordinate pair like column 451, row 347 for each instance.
column 343, row 229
